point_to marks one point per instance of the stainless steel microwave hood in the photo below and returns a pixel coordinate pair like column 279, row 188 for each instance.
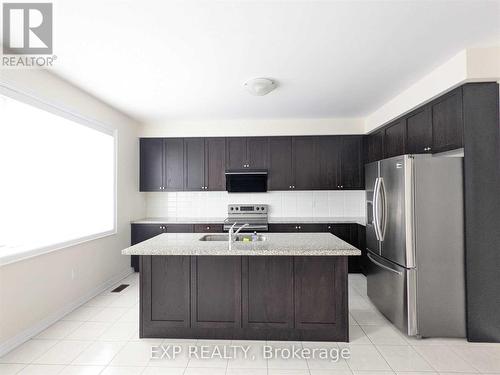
column 246, row 181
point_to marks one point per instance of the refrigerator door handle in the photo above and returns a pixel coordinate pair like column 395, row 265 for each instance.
column 375, row 209
column 383, row 205
column 384, row 266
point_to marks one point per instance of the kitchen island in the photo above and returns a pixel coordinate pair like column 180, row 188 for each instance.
column 281, row 286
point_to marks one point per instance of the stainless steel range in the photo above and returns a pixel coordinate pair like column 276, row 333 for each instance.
column 255, row 215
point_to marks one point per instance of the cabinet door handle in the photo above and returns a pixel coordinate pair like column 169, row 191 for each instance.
column 290, row 187
column 208, row 228
column 293, row 186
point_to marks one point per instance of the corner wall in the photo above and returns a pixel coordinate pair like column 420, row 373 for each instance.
column 36, row 291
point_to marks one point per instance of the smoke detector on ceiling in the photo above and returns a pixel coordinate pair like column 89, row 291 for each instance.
column 260, row 86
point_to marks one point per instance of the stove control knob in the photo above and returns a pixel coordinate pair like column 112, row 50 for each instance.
column 262, row 208
column 257, row 208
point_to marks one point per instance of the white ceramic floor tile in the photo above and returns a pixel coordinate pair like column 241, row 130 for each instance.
column 205, row 371
column 134, row 353
column 119, row 332
column 89, row 331
column 326, row 364
column 163, row 371
column 131, row 316
column 384, row 335
column 443, row 359
column 368, row 317
column 254, row 357
column 101, row 300
column 109, row 314
column 485, row 359
column 99, row 353
column 357, row 336
column 366, row 358
column 82, row 370
column 28, row 351
column 10, row 368
column 246, row 371
column 330, row 372
column 403, row 358
column 123, row 370
column 63, row 353
column 41, row 370
column 272, row 371
column 59, row 330
column 178, row 360
column 82, row 314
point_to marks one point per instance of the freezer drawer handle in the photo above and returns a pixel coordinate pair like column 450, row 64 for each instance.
column 383, row 266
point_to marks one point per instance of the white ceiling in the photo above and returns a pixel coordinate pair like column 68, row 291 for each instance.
column 161, row 60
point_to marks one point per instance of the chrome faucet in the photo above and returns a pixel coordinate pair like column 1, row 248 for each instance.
column 232, row 233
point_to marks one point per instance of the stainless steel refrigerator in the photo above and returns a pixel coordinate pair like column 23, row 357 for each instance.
column 415, row 243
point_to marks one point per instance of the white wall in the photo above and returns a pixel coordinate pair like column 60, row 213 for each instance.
column 35, row 291
column 230, row 128
column 282, row 204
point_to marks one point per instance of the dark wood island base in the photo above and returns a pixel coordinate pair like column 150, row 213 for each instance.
column 244, row 297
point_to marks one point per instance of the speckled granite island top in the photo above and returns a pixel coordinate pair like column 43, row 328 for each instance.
column 276, row 244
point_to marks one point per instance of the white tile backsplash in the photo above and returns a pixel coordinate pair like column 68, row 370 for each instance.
column 332, row 203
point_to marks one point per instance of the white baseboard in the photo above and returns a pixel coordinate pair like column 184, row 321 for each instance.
column 9, row 344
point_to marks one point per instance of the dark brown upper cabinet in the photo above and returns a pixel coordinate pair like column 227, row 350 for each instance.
column 300, row 163
column 328, row 153
column 447, row 122
column 305, row 163
column 204, row 164
column 419, row 131
column 151, row 164
column 247, row 152
column 173, row 176
column 351, row 162
column 374, row 146
column 280, row 176
column 194, row 164
column 236, row 151
column 395, row 139
column 215, row 163
column 161, row 164
column 257, row 152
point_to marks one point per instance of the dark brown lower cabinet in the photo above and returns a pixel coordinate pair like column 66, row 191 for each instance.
column 318, row 303
column 215, row 292
column 166, row 302
column 267, row 292
column 251, row 297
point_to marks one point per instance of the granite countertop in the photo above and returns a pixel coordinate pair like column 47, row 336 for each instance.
column 276, row 244
column 272, row 220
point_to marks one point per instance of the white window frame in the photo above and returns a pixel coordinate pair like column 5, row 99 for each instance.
column 69, row 114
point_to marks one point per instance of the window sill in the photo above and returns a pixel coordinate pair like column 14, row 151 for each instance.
column 14, row 255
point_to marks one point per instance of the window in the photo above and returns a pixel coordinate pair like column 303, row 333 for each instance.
column 57, row 178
